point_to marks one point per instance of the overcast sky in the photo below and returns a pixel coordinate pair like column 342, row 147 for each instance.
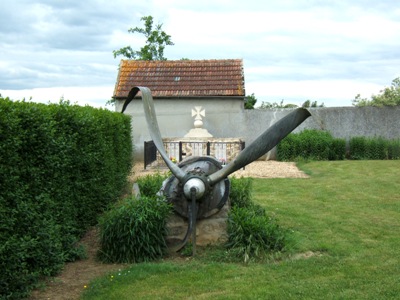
column 325, row 51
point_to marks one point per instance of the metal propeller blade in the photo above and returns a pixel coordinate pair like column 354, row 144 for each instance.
column 265, row 142
column 150, row 114
column 199, row 186
column 192, row 213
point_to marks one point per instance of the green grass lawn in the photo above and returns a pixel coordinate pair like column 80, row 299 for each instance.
column 346, row 223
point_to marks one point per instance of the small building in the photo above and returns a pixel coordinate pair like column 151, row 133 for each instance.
column 177, row 87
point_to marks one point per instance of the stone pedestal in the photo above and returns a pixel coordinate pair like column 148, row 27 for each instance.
column 209, row 231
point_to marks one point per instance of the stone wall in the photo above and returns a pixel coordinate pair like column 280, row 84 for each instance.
column 228, row 119
column 341, row 122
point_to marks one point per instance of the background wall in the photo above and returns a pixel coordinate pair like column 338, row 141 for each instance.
column 222, row 118
column 228, row 119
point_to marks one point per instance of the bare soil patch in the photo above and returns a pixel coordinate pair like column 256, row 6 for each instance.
column 71, row 282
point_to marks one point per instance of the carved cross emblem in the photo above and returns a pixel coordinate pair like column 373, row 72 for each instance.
column 198, row 112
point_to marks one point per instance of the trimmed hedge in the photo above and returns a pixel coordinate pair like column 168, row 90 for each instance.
column 60, row 166
column 320, row 145
column 374, row 148
column 311, row 144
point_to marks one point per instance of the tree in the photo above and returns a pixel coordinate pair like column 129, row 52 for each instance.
column 268, row 105
column 250, row 101
column 389, row 96
column 308, row 104
column 156, row 42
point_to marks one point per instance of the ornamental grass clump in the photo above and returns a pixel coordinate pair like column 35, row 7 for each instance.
column 251, row 231
column 240, row 194
column 150, row 185
column 134, row 230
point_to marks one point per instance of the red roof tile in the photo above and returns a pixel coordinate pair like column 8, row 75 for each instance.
column 182, row 78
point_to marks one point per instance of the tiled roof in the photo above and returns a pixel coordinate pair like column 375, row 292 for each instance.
column 182, row 78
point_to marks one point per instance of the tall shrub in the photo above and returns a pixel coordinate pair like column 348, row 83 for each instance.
column 394, row 149
column 60, row 165
column 358, row 146
column 134, row 230
column 374, row 148
column 311, row 144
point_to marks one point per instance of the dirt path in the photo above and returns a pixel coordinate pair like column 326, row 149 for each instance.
column 76, row 275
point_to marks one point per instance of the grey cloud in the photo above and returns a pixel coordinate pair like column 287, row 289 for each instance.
column 63, row 24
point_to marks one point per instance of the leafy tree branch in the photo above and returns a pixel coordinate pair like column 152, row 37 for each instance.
column 389, row 96
column 156, row 41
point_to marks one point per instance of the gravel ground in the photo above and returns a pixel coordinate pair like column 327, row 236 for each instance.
column 271, row 169
column 257, row 169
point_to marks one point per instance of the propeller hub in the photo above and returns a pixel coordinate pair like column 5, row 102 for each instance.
column 195, row 184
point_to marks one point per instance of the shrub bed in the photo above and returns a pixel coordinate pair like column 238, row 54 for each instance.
column 134, row 230
column 60, row 166
column 374, row 148
column 252, row 232
column 311, row 144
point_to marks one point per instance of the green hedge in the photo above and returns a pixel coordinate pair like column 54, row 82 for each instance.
column 374, row 148
column 320, row 145
column 60, row 166
column 311, row 144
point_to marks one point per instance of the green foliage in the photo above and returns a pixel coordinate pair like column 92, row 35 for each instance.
column 241, row 191
column 269, row 105
column 393, row 148
column 250, row 101
column 156, row 40
column 374, row 148
column 311, row 144
column 308, row 104
column 150, row 185
column 320, row 145
column 337, row 149
column 134, row 230
column 251, row 233
column 60, row 165
column 389, row 96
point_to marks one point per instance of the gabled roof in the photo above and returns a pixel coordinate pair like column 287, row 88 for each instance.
column 182, row 78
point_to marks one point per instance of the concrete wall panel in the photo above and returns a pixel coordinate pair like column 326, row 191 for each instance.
column 228, row 119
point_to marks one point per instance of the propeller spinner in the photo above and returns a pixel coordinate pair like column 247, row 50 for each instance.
column 199, row 186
